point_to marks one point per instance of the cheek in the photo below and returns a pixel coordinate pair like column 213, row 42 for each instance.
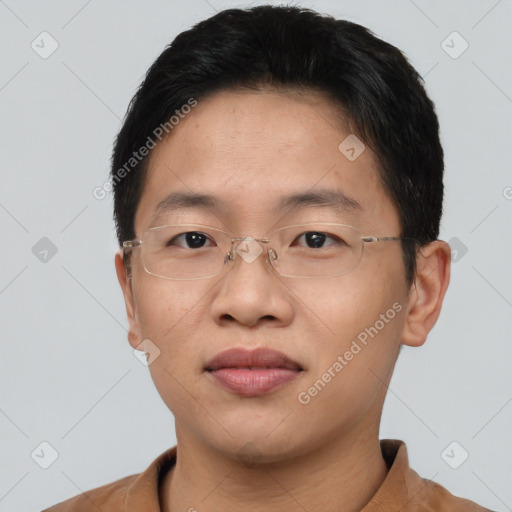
column 351, row 367
column 347, row 307
column 358, row 324
column 169, row 313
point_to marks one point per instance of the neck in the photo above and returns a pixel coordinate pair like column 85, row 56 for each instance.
column 347, row 471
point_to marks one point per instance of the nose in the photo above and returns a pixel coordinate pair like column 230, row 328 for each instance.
column 251, row 293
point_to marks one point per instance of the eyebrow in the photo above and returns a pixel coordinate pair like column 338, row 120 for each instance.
column 335, row 199
column 180, row 200
column 325, row 198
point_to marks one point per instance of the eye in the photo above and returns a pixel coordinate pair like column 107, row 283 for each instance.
column 191, row 240
column 317, row 239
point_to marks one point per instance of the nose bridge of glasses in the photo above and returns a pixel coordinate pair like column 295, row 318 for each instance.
column 248, row 248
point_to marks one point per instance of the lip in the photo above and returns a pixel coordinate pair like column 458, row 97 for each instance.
column 252, row 372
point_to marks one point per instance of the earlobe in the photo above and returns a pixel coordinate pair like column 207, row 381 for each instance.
column 427, row 292
column 125, row 282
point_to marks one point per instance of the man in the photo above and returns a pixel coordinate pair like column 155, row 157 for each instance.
column 278, row 186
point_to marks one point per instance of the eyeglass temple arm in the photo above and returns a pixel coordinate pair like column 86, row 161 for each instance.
column 132, row 243
column 384, row 238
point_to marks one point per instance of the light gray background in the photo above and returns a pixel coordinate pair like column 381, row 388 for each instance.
column 68, row 375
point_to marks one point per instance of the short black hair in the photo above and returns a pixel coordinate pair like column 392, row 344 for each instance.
column 368, row 79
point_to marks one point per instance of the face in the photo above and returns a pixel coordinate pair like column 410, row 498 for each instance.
column 249, row 151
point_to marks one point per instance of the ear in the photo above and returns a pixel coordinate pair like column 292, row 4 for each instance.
column 134, row 336
column 426, row 295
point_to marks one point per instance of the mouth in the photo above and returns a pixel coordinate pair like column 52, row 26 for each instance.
column 252, row 372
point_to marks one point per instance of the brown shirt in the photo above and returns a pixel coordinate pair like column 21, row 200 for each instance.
column 402, row 490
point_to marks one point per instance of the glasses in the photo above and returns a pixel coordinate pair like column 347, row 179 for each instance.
column 193, row 251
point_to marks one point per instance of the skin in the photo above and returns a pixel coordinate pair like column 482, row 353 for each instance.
column 248, row 149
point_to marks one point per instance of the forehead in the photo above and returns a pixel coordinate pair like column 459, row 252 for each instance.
column 255, row 150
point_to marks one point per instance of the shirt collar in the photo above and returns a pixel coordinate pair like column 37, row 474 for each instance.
column 400, row 486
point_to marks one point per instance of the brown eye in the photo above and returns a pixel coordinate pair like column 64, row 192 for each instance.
column 190, row 240
column 317, row 239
